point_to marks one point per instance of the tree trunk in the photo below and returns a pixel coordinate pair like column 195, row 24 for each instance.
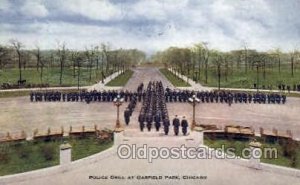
column 61, row 71
column 292, row 65
column 20, row 66
column 206, row 68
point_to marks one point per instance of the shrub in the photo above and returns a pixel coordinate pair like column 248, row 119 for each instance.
column 48, row 151
column 4, row 154
column 24, row 152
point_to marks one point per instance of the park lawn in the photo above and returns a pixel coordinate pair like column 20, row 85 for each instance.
column 239, row 145
column 239, row 79
column 176, row 81
column 51, row 76
column 121, row 80
column 32, row 155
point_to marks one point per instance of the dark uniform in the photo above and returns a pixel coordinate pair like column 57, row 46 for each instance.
column 176, row 124
column 166, row 124
column 184, row 125
column 141, row 121
column 149, row 122
column 127, row 116
column 157, row 121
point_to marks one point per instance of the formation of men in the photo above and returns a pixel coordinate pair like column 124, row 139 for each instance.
column 131, row 106
column 154, row 108
column 93, row 96
column 224, row 97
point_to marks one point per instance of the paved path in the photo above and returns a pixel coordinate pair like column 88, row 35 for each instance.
column 144, row 75
column 102, row 86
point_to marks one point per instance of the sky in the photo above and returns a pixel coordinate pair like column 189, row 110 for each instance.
column 152, row 25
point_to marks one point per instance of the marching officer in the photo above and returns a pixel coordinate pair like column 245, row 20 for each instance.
column 166, row 124
column 149, row 121
column 127, row 116
column 184, row 125
column 141, row 121
column 157, row 121
column 176, row 124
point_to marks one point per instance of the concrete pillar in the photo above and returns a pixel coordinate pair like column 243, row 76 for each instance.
column 255, row 154
column 65, row 155
column 197, row 135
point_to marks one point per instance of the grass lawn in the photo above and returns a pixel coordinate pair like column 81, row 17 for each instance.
column 31, row 155
column 51, row 76
column 177, row 82
column 282, row 159
column 121, row 80
column 239, row 79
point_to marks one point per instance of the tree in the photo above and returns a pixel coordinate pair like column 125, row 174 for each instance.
column 293, row 56
column 217, row 61
column 62, row 54
column 246, row 57
column 17, row 47
column 39, row 62
column 206, row 56
column 4, row 56
column 90, row 55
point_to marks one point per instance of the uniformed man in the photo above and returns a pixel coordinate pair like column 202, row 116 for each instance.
column 141, row 121
column 166, row 124
column 31, row 96
column 127, row 116
column 157, row 121
column 149, row 121
column 184, row 125
column 176, row 124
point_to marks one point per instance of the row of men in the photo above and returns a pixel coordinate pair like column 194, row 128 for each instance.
column 224, row 96
column 154, row 107
column 104, row 96
column 131, row 106
column 280, row 87
column 283, row 87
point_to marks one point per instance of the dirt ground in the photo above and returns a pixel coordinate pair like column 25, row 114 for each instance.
column 19, row 113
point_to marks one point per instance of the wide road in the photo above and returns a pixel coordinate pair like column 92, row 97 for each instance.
column 145, row 75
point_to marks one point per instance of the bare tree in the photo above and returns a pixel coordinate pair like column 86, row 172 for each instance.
column 246, row 56
column 293, row 55
column 62, row 54
column 206, row 57
column 17, row 45
column 39, row 62
column 4, row 56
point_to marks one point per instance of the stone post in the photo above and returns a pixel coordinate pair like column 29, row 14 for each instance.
column 65, row 155
column 255, row 154
column 197, row 134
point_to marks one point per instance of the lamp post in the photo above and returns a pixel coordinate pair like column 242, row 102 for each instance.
column 194, row 100
column 118, row 102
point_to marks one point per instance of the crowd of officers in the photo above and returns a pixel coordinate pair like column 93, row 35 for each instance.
column 154, row 109
column 154, row 97
column 92, row 96
column 224, row 97
column 131, row 105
